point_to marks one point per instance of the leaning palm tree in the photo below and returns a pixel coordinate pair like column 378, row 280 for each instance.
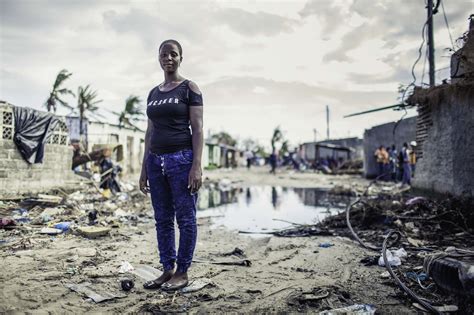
column 276, row 137
column 86, row 102
column 131, row 112
column 57, row 91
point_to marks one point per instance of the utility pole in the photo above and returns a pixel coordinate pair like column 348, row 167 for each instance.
column 431, row 42
column 314, row 132
column 327, row 121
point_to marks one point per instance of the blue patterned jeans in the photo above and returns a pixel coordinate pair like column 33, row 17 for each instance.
column 171, row 198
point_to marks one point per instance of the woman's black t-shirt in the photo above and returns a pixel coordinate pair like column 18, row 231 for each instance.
column 169, row 112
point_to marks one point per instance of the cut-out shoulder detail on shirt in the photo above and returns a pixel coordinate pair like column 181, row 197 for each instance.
column 193, row 87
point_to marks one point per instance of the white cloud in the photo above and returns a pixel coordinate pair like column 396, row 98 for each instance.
column 281, row 60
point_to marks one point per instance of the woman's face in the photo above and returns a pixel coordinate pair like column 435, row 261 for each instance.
column 169, row 57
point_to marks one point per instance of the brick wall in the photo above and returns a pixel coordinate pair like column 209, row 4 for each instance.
column 19, row 177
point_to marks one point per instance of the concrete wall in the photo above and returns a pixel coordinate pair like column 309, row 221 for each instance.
column 19, row 177
column 211, row 154
column 448, row 149
column 383, row 135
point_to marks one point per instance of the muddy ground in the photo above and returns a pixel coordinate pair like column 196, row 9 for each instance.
column 286, row 274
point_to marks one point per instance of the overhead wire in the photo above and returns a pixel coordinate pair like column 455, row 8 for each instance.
column 420, row 53
column 447, row 24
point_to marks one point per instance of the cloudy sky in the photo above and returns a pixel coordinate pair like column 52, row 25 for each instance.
column 259, row 63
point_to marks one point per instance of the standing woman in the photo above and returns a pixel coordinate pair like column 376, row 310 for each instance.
column 171, row 170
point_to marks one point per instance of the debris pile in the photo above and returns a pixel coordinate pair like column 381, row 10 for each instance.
column 424, row 222
column 86, row 212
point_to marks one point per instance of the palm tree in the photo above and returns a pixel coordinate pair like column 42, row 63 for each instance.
column 57, row 91
column 86, row 101
column 277, row 136
column 131, row 112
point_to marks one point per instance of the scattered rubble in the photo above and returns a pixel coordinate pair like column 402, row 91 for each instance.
column 427, row 226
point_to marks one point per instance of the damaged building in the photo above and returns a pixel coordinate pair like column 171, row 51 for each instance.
column 128, row 142
column 444, row 127
column 345, row 149
column 28, row 166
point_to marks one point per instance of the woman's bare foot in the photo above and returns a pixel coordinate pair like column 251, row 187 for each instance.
column 158, row 282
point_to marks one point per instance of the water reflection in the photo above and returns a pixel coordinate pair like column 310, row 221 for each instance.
column 255, row 208
column 211, row 198
column 274, row 198
column 248, row 196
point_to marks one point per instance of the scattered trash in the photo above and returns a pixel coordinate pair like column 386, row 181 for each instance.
column 98, row 297
column 146, row 272
column 127, row 284
column 49, row 198
column 197, row 285
column 357, row 309
column 93, row 231
column 393, row 257
column 49, row 213
column 455, row 275
column 370, row 260
column 415, row 242
column 415, row 200
column 50, row 231
column 441, row 309
column 325, row 245
column 126, row 267
column 7, row 222
column 92, row 215
column 242, row 262
column 63, row 226
column 254, row 291
column 416, row 276
column 236, row 252
column 385, row 275
column 307, row 298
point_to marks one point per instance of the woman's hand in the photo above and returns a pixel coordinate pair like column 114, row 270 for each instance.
column 143, row 183
column 195, row 179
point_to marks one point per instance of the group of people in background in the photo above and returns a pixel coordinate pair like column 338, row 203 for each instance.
column 394, row 165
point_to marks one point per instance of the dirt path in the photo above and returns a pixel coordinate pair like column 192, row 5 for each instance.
column 282, row 269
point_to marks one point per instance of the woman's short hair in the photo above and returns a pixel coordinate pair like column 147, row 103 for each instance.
column 172, row 41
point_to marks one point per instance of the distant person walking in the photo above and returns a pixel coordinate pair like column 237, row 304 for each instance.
column 406, row 165
column 273, row 162
column 413, row 157
column 171, row 170
column 249, row 158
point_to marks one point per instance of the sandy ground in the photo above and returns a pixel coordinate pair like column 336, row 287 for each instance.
column 286, row 274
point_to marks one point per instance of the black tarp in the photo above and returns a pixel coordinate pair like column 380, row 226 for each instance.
column 32, row 130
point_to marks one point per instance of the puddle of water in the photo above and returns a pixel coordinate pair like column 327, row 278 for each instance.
column 256, row 208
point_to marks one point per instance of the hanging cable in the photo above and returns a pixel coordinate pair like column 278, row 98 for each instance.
column 424, row 66
column 420, row 50
column 447, row 24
